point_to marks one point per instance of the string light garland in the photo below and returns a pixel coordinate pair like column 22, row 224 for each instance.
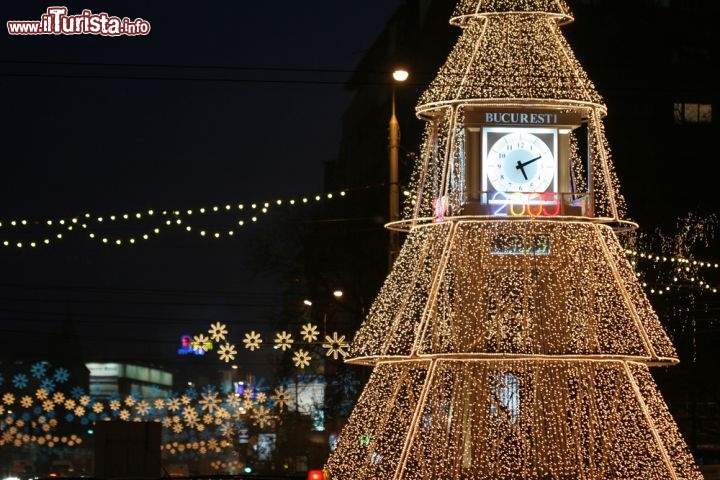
column 676, row 269
column 23, row 233
column 188, row 221
column 512, row 338
column 683, row 273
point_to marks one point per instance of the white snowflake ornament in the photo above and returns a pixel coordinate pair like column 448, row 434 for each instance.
column 252, row 341
column 217, row 331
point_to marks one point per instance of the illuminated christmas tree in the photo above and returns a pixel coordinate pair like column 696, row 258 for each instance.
column 511, row 339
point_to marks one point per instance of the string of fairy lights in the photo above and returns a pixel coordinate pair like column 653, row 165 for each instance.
column 686, row 273
column 142, row 226
column 20, row 233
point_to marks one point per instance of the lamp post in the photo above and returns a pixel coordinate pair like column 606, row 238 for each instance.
column 399, row 75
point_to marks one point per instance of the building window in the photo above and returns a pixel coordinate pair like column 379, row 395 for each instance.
column 693, row 113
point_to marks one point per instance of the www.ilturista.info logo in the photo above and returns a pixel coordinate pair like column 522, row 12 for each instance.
column 56, row 21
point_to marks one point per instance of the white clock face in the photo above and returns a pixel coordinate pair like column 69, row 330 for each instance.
column 520, row 162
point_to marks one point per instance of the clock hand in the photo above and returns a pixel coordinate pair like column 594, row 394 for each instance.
column 521, row 165
column 525, row 164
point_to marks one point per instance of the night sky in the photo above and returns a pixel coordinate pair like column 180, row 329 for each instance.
column 222, row 102
column 93, row 121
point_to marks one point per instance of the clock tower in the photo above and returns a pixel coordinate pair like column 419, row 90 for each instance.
column 511, row 339
column 520, row 159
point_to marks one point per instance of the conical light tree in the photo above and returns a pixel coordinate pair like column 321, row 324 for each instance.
column 511, row 339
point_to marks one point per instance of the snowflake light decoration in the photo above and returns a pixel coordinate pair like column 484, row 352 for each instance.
column 76, row 392
column 227, row 430
column 193, row 423
column 301, row 358
column 336, row 345
column 227, row 352
column 61, row 375
column 38, row 369
column 209, row 401
column 309, row 332
column 142, row 408
column 261, row 416
column 20, row 381
column 218, row 331
column 252, row 341
column 283, row 340
column 232, row 401
column 173, row 404
column 281, row 397
column 48, row 385
column 248, row 394
column 201, row 344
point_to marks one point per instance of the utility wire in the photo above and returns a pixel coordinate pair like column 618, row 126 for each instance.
column 190, row 67
column 139, row 291
column 123, row 319
column 182, row 79
column 134, row 302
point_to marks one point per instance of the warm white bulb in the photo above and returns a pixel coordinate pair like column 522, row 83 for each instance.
column 400, row 75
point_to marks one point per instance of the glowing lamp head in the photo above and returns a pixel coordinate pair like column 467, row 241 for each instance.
column 400, row 75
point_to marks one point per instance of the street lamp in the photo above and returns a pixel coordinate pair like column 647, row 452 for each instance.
column 399, row 75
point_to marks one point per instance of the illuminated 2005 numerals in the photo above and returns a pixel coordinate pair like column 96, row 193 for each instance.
column 525, row 204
